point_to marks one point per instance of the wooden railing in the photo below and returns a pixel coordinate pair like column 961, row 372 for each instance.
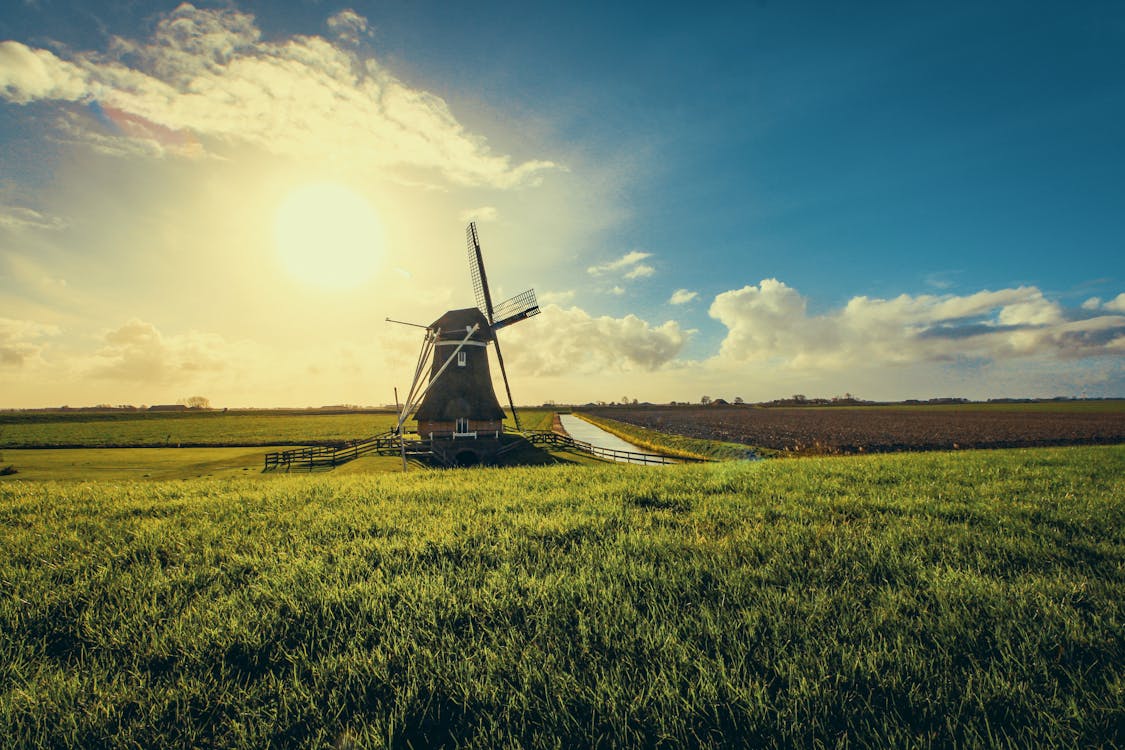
column 545, row 437
column 389, row 443
column 334, row 455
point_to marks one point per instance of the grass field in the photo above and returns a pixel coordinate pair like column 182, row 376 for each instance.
column 939, row 599
column 217, row 429
column 102, row 463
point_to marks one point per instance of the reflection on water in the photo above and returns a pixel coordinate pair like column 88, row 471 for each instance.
column 596, row 436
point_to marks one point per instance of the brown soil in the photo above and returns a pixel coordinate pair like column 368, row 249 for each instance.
column 878, row 429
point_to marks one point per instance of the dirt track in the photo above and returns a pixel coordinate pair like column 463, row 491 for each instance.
column 880, row 429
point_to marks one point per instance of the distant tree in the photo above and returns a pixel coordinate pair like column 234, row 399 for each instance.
column 738, row 400
column 197, row 402
column 705, row 400
column 799, row 398
column 634, row 402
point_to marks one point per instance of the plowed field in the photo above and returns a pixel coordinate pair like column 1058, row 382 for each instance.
column 876, row 429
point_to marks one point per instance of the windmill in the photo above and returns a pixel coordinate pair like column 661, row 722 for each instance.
column 456, row 407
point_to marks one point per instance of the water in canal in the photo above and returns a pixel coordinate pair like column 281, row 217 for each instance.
column 582, row 430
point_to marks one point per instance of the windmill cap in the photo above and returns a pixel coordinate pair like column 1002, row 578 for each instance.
column 454, row 324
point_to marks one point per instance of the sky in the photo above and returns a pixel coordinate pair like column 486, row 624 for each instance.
column 754, row 200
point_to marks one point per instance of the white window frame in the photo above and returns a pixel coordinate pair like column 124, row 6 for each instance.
column 462, row 358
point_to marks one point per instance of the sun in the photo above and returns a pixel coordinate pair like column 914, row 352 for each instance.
column 328, row 235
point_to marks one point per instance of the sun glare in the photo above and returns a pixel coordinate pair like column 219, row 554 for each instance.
column 328, row 235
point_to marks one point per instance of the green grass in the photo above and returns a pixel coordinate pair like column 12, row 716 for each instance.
column 207, row 429
column 131, row 463
column 217, row 429
column 99, row 464
column 676, row 445
column 959, row 599
column 535, row 419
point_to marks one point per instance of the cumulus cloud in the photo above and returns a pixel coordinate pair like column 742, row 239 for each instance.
column 1117, row 304
column 640, row 271
column 625, row 261
column 138, row 352
column 348, row 25
column 18, row 218
column 682, row 297
column 480, row 215
column 770, row 323
column 571, row 341
column 29, row 74
column 21, row 341
column 209, row 73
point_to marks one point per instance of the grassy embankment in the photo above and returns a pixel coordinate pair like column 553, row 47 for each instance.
column 897, row 600
column 676, row 445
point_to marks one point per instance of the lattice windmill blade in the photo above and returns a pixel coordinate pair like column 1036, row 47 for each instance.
column 522, row 306
column 476, row 269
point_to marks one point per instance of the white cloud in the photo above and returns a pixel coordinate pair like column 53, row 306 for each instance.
column 571, row 341
column 479, row 215
column 209, row 74
column 1117, row 304
column 640, row 271
column 348, row 25
column 21, row 341
column 682, row 297
column 770, row 322
column 18, row 218
column 29, row 74
column 138, row 352
column 626, row 260
column 617, row 291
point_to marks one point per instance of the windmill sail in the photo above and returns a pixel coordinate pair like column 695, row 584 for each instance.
column 476, row 268
column 513, row 310
column 520, row 307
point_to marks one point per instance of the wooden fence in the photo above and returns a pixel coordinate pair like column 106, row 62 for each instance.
column 388, row 443
column 334, row 455
column 541, row 437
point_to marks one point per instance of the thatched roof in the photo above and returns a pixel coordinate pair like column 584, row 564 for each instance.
column 461, row 391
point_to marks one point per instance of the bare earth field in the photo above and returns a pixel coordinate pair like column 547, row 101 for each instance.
column 877, row 429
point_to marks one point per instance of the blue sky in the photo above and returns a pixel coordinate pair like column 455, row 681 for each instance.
column 894, row 199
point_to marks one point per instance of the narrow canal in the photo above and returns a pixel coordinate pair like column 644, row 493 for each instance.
column 580, row 429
